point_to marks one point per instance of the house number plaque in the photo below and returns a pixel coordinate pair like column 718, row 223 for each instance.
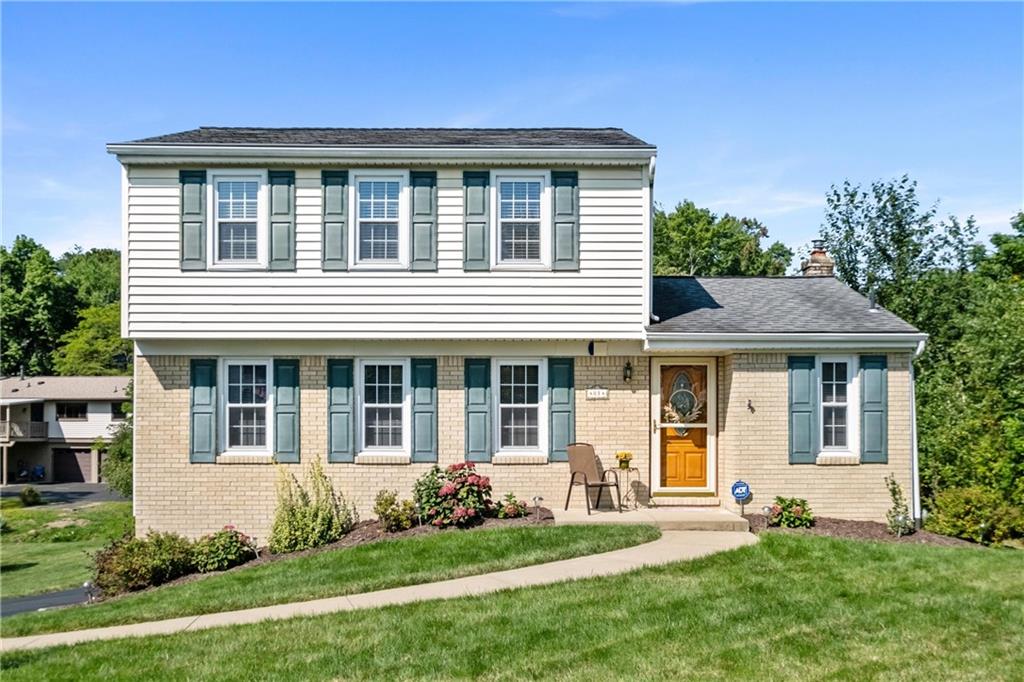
column 597, row 393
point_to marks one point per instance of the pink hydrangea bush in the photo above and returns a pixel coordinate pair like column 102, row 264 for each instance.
column 456, row 496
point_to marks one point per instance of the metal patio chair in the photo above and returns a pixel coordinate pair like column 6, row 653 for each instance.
column 583, row 471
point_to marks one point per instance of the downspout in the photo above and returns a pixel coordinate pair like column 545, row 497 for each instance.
column 915, row 477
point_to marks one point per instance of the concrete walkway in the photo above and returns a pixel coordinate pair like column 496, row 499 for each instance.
column 666, row 518
column 670, row 547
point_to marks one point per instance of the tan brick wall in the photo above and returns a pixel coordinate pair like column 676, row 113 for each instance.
column 754, row 445
column 192, row 499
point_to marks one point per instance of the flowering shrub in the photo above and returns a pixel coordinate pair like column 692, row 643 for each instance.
column 393, row 515
column 456, row 496
column 790, row 512
column 221, row 550
column 308, row 516
column 511, row 508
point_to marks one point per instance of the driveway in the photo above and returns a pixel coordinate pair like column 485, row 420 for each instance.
column 67, row 493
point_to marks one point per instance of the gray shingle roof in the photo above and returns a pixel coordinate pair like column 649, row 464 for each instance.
column 63, row 388
column 766, row 305
column 403, row 137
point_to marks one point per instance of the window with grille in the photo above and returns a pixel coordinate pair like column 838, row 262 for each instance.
column 519, row 398
column 246, row 405
column 383, row 405
column 378, row 219
column 519, row 220
column 834, row 406
column 236, row 220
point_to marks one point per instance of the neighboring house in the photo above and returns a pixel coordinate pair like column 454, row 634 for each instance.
column 381, row 300
column 54, row 422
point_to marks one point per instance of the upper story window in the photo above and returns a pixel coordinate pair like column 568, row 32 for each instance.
column 238, row 231
column 117, row 411
column 72, row 411
column 381, row 219
column 522, row 220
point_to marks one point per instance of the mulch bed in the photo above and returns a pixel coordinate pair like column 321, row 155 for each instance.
column 364, row 533
column 857, row 530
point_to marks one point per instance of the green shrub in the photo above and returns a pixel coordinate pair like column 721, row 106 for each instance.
column 4, row 526
column 425, row 493
column 221, row 550
column 30, row 497
column 308, row 516
column 975, row 514
column 898, row 517
column 393, row 515
column 117, row 459
column 131, row 563
column 791, row 512
column 463, row 498
column 511, row 508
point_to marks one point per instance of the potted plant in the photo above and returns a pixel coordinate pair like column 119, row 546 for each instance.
column 624, row 457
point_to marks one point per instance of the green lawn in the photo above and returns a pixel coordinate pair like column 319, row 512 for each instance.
column 36, row 557
column 790, row 608
column 365, row 568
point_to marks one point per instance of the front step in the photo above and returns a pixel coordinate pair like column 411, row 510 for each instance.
column 666, row 519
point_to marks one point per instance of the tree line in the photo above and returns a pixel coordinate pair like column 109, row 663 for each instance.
column 61, row 315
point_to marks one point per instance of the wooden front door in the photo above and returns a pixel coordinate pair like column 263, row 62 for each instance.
column 685, row 415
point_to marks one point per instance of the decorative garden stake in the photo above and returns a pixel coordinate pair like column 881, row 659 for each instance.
column 537, row 499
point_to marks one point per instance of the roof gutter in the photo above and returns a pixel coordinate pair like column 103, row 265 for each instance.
column 714, row 341
column 161, row 153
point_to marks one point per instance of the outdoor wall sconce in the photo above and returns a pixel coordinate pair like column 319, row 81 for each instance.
column 627, row 372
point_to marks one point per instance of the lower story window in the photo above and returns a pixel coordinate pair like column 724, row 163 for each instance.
column 834, row 383
column 383, row 405
column 247, row 405
column 519, row 397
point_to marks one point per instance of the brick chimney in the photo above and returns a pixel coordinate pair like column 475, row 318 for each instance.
column 819, row 263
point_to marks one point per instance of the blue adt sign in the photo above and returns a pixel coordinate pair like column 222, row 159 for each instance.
column 740, row 491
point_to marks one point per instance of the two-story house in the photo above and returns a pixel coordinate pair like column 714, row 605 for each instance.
column 381, row 300
column 50, row 426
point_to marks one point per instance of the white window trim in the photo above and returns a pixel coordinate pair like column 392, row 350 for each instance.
column 262, row 219
column 542, row 408
column 222, row 407
column 506, row 175
column 852, row 448
column 404, row 216
column 406, row 449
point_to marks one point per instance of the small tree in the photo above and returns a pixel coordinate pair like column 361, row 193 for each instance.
column 308, row 516
column 898, row 517
column 95, row 346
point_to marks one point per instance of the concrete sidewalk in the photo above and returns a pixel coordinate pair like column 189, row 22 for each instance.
column 670, row 547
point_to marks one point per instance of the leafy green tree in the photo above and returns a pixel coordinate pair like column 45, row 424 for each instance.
column 95, row 346
column 883, row 240
column 117, row 458
column 695, row 241
column 95, row 274
column 37, row 306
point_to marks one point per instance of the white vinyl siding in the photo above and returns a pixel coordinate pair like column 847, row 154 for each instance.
column 98, row 422
column 604, row 300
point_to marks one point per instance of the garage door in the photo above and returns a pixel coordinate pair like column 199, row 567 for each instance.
column 72, row 466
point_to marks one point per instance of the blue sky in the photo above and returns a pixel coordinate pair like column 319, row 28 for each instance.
column 755, row 108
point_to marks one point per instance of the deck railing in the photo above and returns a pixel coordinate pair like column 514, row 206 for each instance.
column 22, row 430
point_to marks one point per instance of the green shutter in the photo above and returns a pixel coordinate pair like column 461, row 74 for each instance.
column 565, row 240
column 202, row 411
column 334, row 238
column 874, row 410
column 561, row 408
column 424, row 409
column 424, row 220
column 193, row 219
column 282, row 219
column 286, row 411
column 477, row 236
column 803, row 409
column 340, row 412
column 478, row 409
